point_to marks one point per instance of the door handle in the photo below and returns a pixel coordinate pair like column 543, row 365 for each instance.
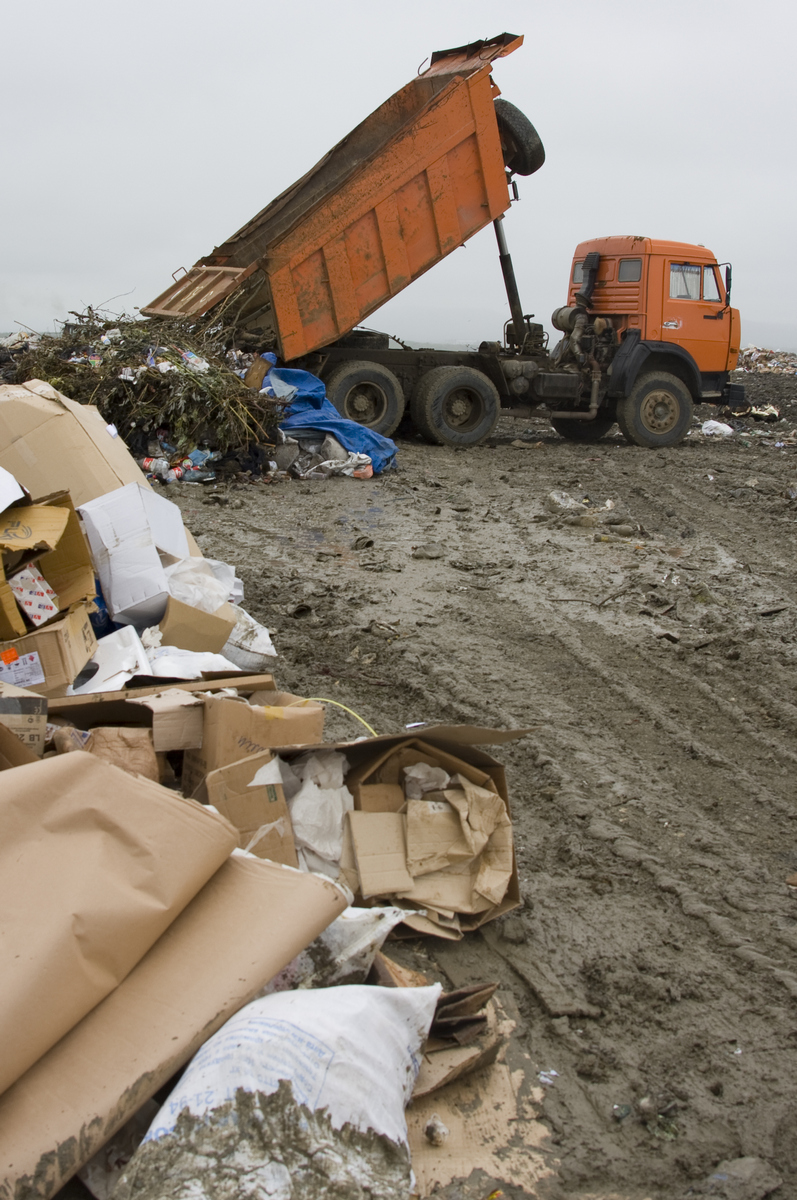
column 713, row 316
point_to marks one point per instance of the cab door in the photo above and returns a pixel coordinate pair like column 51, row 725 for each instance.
column 693, row 313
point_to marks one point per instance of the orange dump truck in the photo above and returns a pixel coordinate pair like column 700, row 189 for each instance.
column 427, row 170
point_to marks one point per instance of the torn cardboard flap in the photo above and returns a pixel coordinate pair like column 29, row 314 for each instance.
column 13, row 751
column 259, row 813
column 94, row 866
column 54, row 1118
column 380, row 852
column 27, row 532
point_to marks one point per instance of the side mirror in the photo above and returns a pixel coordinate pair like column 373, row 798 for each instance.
column 728, row 277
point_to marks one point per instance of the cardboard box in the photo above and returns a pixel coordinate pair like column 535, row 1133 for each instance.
column 260, row 814
column 234, row 729
column 247, row 923
column 126, row 530
column 470, row 890
column 48, row 441
column 24, row 713
column 48, row 532
column 174, row 716
column 49, row 659
column 190, row 629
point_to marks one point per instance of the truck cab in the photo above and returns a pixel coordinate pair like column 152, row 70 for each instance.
column 657, row 314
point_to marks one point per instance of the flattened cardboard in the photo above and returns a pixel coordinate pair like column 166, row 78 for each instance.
column 194, row 978
column 254, row 811
column 13, row 752
column 64, row 646
column 234, row 730
column 48, row 441
column 94, row 867
column 190, row 629
column 380, row 851
column 378, row 797
column 24, row 713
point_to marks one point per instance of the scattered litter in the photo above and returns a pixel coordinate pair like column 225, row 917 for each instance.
column 548, row 1077
column 716, row 429
column 435, row 1131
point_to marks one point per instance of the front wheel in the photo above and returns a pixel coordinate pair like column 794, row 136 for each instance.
column 367, row 393
column 583, row 431
column 455, row 406
column 657, row 412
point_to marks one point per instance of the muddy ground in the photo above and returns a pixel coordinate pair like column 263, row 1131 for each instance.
column 654, row 801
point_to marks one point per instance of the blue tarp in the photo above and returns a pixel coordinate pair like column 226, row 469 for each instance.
column 310, row 409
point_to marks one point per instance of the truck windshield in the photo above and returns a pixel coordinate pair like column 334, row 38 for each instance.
column 684, row 282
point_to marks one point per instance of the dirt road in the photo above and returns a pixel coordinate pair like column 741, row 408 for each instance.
column 654, row 802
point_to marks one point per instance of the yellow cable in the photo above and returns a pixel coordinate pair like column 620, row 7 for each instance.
column 324, row 700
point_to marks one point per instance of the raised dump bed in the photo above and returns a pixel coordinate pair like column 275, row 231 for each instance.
column 410, row 184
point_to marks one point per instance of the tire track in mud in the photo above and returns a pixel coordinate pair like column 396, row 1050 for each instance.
column 652, row 802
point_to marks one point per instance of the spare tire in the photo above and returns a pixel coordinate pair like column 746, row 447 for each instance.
column 523, row 150
column 367, row 393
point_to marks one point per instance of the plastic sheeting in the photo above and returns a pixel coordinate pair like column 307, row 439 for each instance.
column 310, row 409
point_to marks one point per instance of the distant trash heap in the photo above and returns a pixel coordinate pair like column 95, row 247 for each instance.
column 759, row 361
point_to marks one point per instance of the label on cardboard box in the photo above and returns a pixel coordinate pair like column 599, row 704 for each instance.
column 21, row 670
column 34, row 595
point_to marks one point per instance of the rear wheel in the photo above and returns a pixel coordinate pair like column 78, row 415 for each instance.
column 522, row 148
column 583, row 431
column 455, row 406
column 367, row 393
column 658, row 411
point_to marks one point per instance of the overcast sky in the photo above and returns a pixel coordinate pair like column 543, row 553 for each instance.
column 137, row 136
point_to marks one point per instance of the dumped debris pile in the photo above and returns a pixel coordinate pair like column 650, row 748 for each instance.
column 184, row 377
column 760, row 361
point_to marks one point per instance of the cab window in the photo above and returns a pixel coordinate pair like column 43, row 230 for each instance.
column 710, row 289
column 578, row 272
column 630, row 270
column 684, row 282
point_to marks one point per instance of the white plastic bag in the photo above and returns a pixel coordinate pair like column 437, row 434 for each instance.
column 192, row 581
column 169, row 662
column 301, row 1093
column 717, row 429
column 420, row 778
column 249, row 644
